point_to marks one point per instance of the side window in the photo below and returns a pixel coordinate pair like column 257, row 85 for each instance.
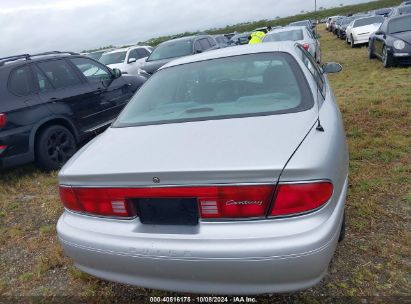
column 197, row 46
column 59, row 73
column 43, row 84
column 205, row 45
column 212, row 41
column 142, row 53
column 134, row 54
column 93, row 71
column 314, row 69
column 20, row 81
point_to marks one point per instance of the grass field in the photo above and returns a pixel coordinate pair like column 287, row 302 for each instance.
column 373, row 261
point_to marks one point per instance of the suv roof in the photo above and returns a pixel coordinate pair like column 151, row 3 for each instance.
column 33, row 57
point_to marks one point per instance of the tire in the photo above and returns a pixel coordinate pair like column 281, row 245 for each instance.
column 54, row 147
column 371, row 54
column 352, row 42
column 342, row 231
column 346, row 40
column 387, row 60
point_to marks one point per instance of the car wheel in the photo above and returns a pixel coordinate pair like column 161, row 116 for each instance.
column 386, row 58
column 342, row 231
column 370, row 51
column 352, row 42
column 346, row 40
column 54, row 146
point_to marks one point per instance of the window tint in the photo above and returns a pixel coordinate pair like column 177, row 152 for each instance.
column 93, row 71
column 20, row 81
column 205, row 45
column 314, row 69
column 212, row 41
column 42, row 82
column 238, row 86
column 59, row 73
column 143, row 53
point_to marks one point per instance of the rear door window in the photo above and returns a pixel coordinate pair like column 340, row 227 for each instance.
column 42, row 82
column 59, row 73
column 21, row 81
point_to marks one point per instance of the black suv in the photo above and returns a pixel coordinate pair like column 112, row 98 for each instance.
column 52, row 102
column 179, row 47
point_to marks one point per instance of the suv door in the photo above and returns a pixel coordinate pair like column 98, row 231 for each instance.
column 66, row 93
column 111, row 94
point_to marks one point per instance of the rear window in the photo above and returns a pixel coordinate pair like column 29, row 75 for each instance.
column 239, row 86
column 171, row 49
column 367, row 21
column 294, row 35
column 404, row 10
column 400, row 25
column 20, row 81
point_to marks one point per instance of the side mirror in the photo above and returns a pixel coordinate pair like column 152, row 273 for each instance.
column 131, row 60
column 331, row 67
column 116, row 73
column 198, row 51
column 379, row 33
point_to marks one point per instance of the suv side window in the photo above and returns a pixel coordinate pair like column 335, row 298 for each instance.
column 43, row 84
column 314, row 69
column 93, row 71
column 59, row 73
column 21, row 82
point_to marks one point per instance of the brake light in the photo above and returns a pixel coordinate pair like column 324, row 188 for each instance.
column 214, row 202
column 2, row 148
column 299, row 198
column 306, row 46
column 3, row 120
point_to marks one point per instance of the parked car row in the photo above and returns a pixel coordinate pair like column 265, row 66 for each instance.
column 387, row 32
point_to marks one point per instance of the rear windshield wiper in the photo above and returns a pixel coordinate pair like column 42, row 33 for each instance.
column 400, row 31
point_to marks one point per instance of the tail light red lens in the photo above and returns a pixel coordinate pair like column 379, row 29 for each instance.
column 299, row 198
column 3, row 120
column 306, row 46
column 214, row 202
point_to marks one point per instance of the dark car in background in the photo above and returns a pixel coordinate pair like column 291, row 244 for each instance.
column 222, row 41
column 383, row 11
column 175, row 48
column 392, row 42
column 307, row 23
column 52, row 102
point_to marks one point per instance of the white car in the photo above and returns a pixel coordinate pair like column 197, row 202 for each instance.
column 127, row 60
column 360, row 30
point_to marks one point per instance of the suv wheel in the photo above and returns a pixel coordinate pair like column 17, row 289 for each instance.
column 55, row 145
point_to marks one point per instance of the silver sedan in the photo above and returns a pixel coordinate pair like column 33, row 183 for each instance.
column 225, row 174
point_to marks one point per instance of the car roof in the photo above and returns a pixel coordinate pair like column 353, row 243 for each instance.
column 27, row 58
column 126, row 49
column 284, row 46
column 183, row 38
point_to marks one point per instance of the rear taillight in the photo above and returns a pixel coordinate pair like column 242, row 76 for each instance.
column 3, row 120
column 300, row 198
column 306, row 46
column 2, row 148
column 214, row 202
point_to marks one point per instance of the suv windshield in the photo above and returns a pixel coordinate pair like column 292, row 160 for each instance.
column 368, row 21
column 238, row 86
column 294, row 35
column 113, row 58
column 171, row 49
column 400, row 25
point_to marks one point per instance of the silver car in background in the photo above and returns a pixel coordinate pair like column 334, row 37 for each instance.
column 225, row 174
column 298, row 34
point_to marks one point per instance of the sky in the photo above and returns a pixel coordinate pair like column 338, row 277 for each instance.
column 30, row 26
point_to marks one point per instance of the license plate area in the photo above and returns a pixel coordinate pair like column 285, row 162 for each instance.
column 168, row 211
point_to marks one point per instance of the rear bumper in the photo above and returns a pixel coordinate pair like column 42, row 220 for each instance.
column 257, row 257
column 18, row 151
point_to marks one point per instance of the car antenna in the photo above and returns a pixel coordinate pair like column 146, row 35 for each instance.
column 319, row 126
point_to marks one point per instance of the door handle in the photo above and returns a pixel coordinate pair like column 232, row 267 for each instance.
column 53, row 99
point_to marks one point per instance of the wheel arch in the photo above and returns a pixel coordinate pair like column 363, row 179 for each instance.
column 52, row 121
